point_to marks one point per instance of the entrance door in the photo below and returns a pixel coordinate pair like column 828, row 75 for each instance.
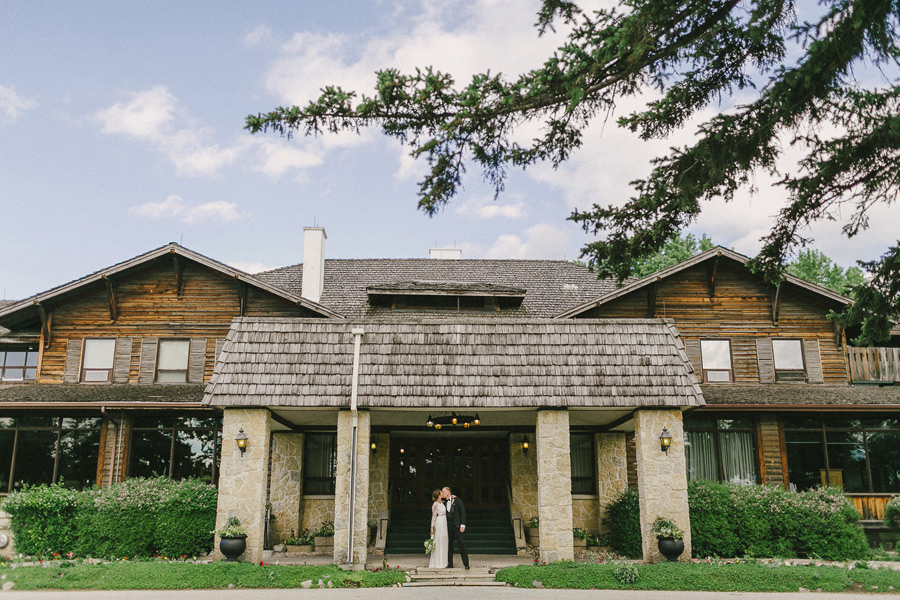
column 476, row 469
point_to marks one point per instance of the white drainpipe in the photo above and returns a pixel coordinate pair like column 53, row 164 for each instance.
column 354, row 387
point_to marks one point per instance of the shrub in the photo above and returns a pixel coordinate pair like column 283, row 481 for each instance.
column 43, row 518
column 623, row 518
column 186, row 515
column 625, row 573
column 892, row 513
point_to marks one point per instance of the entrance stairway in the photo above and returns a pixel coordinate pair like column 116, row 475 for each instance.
column 488, row 531
column 476, row 576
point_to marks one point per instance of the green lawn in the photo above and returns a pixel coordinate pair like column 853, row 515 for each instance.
column 176, row 575
column 748, row 577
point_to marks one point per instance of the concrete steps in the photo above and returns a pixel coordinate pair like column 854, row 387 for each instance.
column 474, row 577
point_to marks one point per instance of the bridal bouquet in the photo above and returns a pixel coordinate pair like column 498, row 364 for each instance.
column 429, row 546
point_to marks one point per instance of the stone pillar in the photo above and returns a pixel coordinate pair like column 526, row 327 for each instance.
column 342, row 488
column 554, row 473
column 379, row 465
column 612, row 470
column 662, row 478
column 243, row 477
column 286, row 484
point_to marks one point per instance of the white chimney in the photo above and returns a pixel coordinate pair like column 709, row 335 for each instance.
column 313, row 263
column 445, row 253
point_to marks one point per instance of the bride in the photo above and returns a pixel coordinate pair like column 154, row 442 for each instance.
column 438, row 532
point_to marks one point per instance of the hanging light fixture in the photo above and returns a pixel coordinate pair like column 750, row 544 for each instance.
column 453, row 419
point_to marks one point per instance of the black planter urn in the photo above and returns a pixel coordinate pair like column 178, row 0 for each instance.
column 232, row 547
column 670, row 548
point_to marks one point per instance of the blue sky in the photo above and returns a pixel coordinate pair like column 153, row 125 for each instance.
column 121, row 129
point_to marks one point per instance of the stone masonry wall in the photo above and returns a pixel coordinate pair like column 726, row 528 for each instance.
column 243, row 477
column 554, row 485
column 662, row 477
column 342, row 485
column 612, row 470
column 286, row 484
column 379, row 465
column 524, row 480
column 317, row 510
column 585, row 513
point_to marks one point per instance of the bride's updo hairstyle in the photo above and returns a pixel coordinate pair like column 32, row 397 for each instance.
column 435, row 495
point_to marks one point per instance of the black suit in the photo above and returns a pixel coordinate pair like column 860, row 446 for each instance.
column 456, row 516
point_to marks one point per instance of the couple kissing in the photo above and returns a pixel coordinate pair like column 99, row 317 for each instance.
column 448, row 524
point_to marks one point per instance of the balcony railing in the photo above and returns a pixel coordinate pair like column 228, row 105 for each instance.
column 871, row 506
column 874, row 364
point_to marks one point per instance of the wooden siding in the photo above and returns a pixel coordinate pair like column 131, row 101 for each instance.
column 871, row 506
column 874, row 364
column 148, row 306
column 739, row 309
column 771, row 460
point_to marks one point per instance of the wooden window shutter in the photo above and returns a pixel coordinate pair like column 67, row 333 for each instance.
column 765, row 360
column 197, row 360
column 148, row 360
column 122, row 364
column 72, row 373
column 692, row 348
column 813, row 361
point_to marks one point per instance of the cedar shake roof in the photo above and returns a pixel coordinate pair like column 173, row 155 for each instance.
column 438, row 363
column 551, row 286
column 105, row 394
column 461, row 288
column 782, row 395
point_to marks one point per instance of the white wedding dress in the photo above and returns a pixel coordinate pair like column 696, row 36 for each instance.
column 441, row 540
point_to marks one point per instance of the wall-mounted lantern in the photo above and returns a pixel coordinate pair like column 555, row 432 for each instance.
column 374, row 447
column 665, row 440
column 525, row 445
column 241, row 440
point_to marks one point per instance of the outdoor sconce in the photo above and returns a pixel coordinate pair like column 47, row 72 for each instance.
column 525, row 445
column 665, row 440
column 374, row 447
column 241, row 440
column 477, row 420
column 429, row 422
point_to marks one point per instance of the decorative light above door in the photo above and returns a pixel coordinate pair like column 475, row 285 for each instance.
column 453, row 420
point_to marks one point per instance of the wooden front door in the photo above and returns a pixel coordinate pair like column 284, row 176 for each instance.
column 476, row 469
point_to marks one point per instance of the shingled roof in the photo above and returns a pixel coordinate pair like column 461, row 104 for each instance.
column 459, row 363
column 800, row 395
column 551, row 286
column 113, row 394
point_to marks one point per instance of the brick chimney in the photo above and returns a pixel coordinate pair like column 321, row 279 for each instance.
column 313, row 263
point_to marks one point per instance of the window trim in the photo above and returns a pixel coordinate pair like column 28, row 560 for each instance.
column 706, row 371
column 187, row 365
column 108, row 371
column 28, row 349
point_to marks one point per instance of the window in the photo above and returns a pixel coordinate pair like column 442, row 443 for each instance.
column 720, row 450
column 176, row 447
column 858, row 455
column 42, row 449
column 172, row 361
column 582, row 456
column 97, row 360
column 715, row 356
column 18, row 363
column 788, row 357
column 320, row 463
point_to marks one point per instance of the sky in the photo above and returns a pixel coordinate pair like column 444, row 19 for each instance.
column 121, row 130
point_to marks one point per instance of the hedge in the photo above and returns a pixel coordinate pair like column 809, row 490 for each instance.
column 892, row 513
column 729, row 520
column 135, row 518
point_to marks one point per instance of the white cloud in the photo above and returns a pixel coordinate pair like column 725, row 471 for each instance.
column 146, row 114
column 276, row 157
column 12, row 104
column 542, row 241
column 261, row 36
column 488, row 208
column 252, row 267
column 175, row 207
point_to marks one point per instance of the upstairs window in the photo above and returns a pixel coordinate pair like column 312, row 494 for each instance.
column 97, row 360
column 715, row 356
column 788, row 357
column 172, row 361
column 18, row 363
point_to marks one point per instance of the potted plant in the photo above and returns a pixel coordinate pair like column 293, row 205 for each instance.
column 300, row 543
column 232, row 539
column 669, row 537
column 323, row 538
column 581, row 536
column 534, row 535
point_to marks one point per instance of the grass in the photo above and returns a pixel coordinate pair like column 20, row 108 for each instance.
column 740, row 577
column 187, row 576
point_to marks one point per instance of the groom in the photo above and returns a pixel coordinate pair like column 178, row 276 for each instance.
column 456, row 526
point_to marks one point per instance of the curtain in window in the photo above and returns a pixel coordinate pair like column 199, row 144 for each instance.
column 582, row 457
column 738, row 462
column 321, row 454
column 700, row 455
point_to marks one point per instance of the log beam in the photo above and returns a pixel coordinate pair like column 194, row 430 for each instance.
column 651, row 298
column 711, row 275
column 46, row 323
column 111, row 298
column 776, row 304
column 179, row 275
column 242, row 296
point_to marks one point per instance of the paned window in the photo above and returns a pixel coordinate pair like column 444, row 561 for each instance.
column 176, row 447
column 715, row 356
column 788, row 358
column 172, row 361
column 43, row 449
column 320, row 463
column 584, row 480
column 18, row 363
column 721, row 450
column 858, row 455
column 97, row 360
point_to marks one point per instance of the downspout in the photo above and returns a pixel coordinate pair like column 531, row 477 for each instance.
column 354, row 387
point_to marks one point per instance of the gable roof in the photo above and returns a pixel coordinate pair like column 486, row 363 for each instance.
column 550, row 286
column 8, row 312
column 465, row 362
column 718, row 251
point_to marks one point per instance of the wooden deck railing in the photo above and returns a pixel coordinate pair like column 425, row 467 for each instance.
column 871, row 506
column 874, row 364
